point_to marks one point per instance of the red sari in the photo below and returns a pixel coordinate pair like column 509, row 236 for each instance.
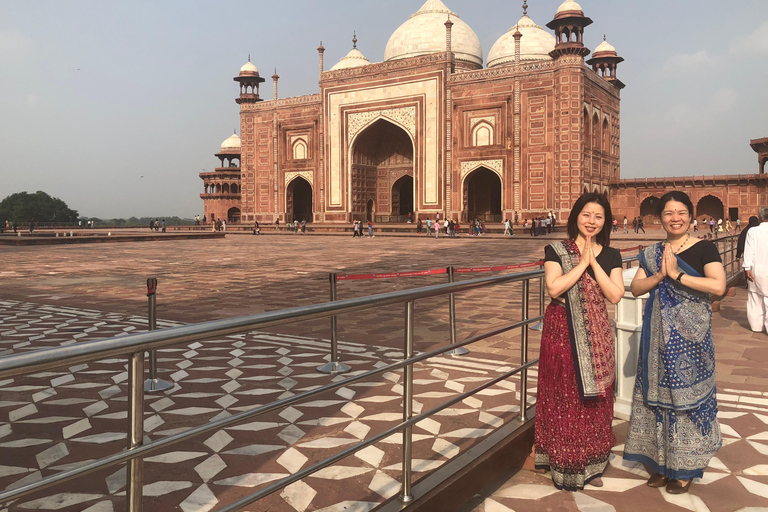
column 574, row 407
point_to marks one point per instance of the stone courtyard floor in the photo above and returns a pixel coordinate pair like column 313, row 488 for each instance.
column 57, row 295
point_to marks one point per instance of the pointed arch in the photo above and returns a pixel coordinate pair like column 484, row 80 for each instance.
column 483, row 134
column 300, row 149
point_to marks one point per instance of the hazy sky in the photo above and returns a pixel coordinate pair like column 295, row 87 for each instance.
column 96, row 94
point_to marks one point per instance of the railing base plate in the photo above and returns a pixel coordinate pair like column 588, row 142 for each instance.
column 157, row 385
column 334, row 367
column 460, row 351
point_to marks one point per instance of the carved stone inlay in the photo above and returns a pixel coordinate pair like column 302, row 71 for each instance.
column 396, row 175
column 494, row 165
column 489, row 119
column 405, row 117
column 307, row 175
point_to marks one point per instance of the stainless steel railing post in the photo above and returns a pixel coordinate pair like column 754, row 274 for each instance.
column 452, row 317
column 135, row 472
column 153, row 384
column 334, row 366
column 539, row 326
column 524, row 353
column 406, row 495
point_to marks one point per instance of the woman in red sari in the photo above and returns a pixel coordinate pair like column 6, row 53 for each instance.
column 574, row 408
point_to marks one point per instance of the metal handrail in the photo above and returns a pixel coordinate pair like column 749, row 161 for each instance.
column 135, row 345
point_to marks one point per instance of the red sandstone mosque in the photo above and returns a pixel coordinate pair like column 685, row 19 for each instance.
column 433, row 130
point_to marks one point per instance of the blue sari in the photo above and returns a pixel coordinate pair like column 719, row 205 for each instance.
column 673, row 428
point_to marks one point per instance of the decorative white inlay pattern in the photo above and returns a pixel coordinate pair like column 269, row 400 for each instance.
column 495, row 165
column 405, row 117
column 307, row 175
column 489, row 119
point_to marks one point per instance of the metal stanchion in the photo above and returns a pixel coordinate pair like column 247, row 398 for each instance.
column 539, row 326
column 405, row 495
column 524, row 353
column 153, row 384
column 452, row 316
column 135, row 470
column 334, row 366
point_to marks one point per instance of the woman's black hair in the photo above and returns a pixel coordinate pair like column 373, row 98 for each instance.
column 675, row 195
column 604, row 236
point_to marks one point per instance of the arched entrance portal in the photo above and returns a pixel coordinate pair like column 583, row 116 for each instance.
column 299, row 200
column 648, row 210
column 710, row 206
column 482, row 195
column 233, row 215
column 382, row 150
column 402, row 198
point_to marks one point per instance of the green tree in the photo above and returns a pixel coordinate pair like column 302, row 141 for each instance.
column 24, row 207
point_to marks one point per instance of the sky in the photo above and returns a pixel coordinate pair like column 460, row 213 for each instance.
column 115, row 107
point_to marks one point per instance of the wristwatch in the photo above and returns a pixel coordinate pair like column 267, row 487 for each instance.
column 680, row 276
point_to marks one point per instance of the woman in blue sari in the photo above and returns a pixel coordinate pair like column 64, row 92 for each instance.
column 673, row 429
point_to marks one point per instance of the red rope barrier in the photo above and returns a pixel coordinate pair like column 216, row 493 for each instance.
column 415, row 273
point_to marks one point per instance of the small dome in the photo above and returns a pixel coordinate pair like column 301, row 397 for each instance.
column 354, row 59
column 569, row 5
column 535, row 44
column 249, row 69
column 424, row 33
column 231, row 143
column 604, row 49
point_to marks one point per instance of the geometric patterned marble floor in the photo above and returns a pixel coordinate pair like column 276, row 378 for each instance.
column 56, row 420
column 737, row 478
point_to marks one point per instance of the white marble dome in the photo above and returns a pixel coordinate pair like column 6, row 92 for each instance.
column 605, row 47
column 354, row 59
column 569, row 5
column 424, row 33
column 249, row 69
column 231, row 143
column 535, row 44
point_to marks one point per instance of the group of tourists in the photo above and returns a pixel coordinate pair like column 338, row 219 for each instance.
column 156, row 225
column 540, row 226
column 8, row 226
column 673, row 430
column 198, row 220
column 717, row 226
column 357, row 229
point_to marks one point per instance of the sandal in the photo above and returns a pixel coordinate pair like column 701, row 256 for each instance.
column 596, row 482
column 676, row 487
column 657, row 480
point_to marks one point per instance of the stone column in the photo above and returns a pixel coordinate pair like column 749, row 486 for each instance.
column 629, row 326
column 320, row 52
column 517, row 138
column 448, row 120
column 275, row 77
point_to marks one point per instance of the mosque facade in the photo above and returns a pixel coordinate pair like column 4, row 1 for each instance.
column 435, row 129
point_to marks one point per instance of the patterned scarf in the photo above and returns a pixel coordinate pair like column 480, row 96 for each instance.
column 590, row 330
column 677, row 352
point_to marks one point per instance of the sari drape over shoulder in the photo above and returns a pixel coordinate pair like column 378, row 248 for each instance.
column 674, row 428
column 590, row 330
column 574, row 404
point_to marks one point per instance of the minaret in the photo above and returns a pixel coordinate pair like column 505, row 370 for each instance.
column 249, row 80
column 320, row 51
column 569, row 26
column 275, row 78
column 604, row 62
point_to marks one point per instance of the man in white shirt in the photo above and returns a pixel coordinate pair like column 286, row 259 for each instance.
column 756, row 266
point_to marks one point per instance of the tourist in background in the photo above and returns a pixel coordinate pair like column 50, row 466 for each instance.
column 640, row 225
column 626, row 231
column 419, row 226
column 506, row 227
column 574, row 406
column 370, row 228
column 738, row 225
column 755, row 264
column 634, row 225
column 673, row 429
column 753, row 221
column 695, row 225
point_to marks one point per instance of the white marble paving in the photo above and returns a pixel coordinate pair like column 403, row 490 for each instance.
column 384, row 485
column 587, row 503
column 51, row 455
column 350, row 506
column 292, row 460
column 59, row 501
column 165, row 487
column 201, row 500
column 756, row 488
column 527, row 491
column 218, row 441
column 175, row 457
column 251, row 479
column 298, row 495
column 210, row 467
column 254, row 449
